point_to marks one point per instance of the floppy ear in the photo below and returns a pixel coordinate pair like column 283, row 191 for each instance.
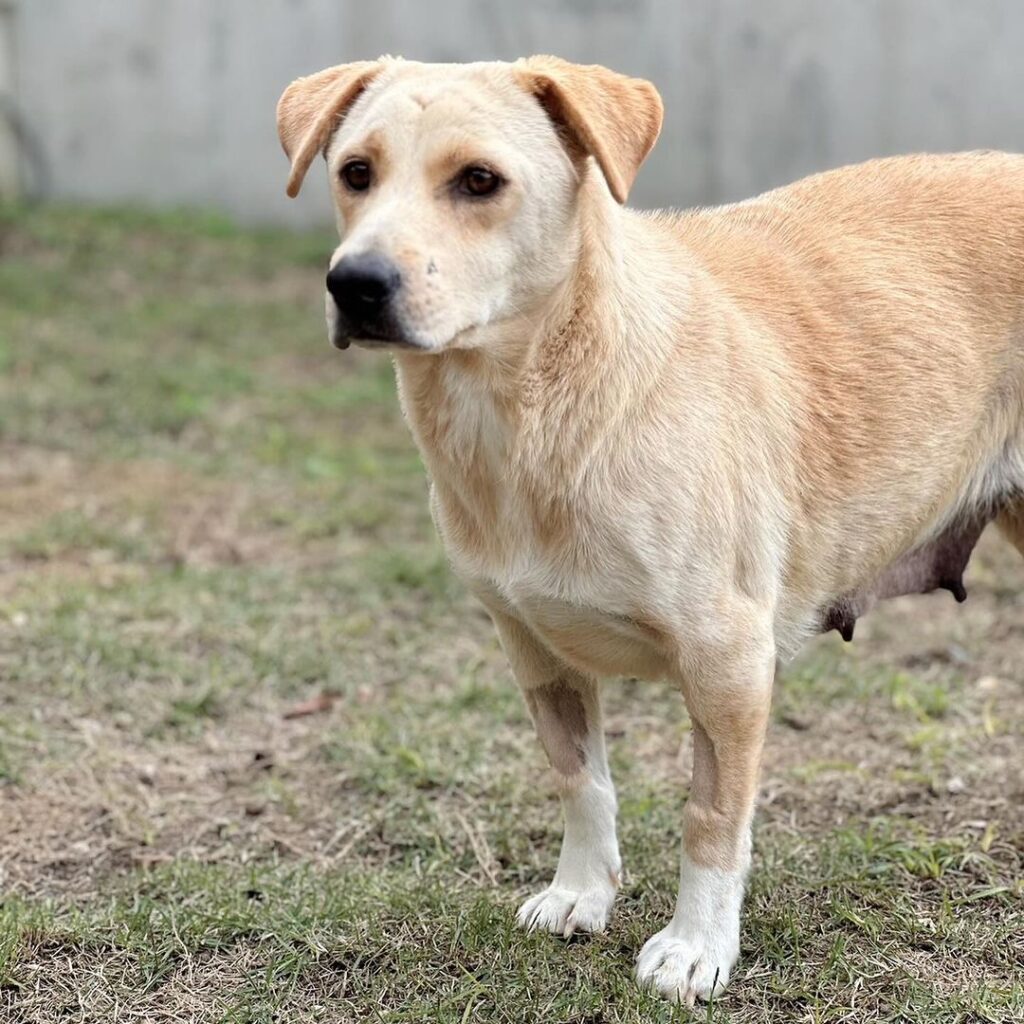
column 311, row 108
column 614, row 118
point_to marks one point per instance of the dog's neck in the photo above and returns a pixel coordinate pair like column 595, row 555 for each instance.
column 546, row 388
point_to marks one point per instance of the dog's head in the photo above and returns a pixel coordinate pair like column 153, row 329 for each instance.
column 456, row 185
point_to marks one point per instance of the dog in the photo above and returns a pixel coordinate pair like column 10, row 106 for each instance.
column 669, row 445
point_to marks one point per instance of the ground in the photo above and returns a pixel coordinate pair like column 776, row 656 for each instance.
column 261, row 758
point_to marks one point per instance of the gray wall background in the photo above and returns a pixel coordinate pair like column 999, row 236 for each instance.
column 172, row 101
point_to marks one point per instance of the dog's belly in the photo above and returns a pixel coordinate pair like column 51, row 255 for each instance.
column 937, row 564
column 597, row 642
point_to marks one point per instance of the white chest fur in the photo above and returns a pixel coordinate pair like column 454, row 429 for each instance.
column 593, row 611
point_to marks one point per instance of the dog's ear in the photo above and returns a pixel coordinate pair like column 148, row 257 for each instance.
column 613, row 118
column 311, row 108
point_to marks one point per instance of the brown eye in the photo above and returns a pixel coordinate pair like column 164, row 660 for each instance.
column 478, row 181
column 356, row 174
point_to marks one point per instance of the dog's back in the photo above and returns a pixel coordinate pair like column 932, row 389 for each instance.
column 891, row 246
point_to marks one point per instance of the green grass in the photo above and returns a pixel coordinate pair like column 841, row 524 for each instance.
column 208, row 517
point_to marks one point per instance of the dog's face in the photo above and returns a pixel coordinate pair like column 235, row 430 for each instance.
column 456, row 186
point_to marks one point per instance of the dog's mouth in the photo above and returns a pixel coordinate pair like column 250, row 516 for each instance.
column 387, row 336
column 373, row 338
column 364, row 340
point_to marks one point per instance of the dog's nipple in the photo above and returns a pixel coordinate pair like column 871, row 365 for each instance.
column 956, row 588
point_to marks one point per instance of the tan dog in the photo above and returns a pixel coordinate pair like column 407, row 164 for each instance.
column 669, row 445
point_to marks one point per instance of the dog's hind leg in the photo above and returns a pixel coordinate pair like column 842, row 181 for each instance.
column 729, row 697
column 566, row 711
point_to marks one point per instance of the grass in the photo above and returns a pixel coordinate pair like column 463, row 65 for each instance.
column 208, row 518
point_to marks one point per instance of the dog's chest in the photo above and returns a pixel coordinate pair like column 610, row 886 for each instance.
column 585, row 602
column 596, row 640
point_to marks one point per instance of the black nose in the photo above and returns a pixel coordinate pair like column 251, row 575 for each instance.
column 362, row 285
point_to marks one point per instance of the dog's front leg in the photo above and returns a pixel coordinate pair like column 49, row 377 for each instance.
column 729, row 701
column 566, row 710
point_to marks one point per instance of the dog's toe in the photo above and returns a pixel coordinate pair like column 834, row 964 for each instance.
column 565, row 911
column 547, row 911
column 590, row 912
column 681, row 969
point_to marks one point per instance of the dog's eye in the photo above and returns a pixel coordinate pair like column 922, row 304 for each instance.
column 478, row 181
column 356, row 174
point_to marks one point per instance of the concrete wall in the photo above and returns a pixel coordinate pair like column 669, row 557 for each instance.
column 172, row 101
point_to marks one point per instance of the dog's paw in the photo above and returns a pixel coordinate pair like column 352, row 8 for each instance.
column 565, row 911
column 684, row 969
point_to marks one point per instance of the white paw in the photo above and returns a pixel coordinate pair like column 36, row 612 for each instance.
column 685, row 969
column 565, row 911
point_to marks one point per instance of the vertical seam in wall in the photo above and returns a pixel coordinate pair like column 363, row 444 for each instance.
column 9, row 169
column 29, row 170
column 713, row 112
column 218, row 183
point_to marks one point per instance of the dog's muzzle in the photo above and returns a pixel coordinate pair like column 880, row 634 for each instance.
column 363, row 288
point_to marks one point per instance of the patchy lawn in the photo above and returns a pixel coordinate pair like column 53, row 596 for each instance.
column 210, row 522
